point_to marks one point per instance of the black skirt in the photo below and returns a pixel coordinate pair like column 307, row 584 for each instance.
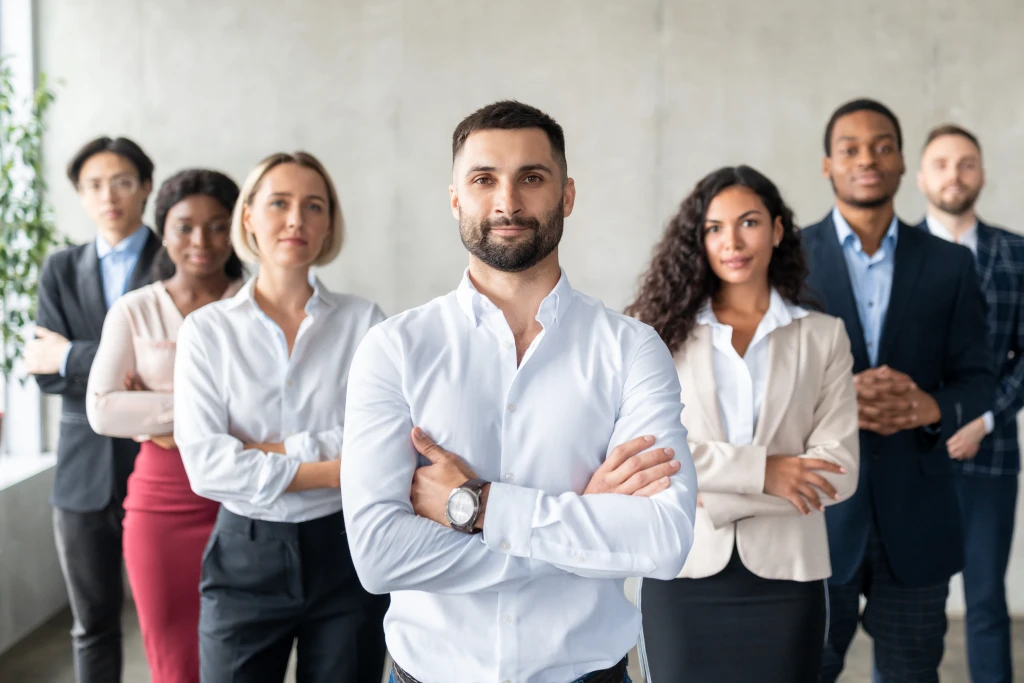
column 733, row 626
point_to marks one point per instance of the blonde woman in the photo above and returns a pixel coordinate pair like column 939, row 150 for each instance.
column 260, row 383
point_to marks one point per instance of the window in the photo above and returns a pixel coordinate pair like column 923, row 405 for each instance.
column 22, row 427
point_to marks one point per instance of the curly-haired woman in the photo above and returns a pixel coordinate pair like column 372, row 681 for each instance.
column 772, row 420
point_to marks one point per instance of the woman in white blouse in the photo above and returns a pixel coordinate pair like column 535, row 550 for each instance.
column 130, row 395
column 260, row 384
column 771, row 417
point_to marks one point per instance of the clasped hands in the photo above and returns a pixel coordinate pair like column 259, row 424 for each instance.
column 888, row 401
column 630, row 469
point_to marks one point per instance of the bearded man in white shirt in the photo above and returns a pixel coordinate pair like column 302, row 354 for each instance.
column 556, row 462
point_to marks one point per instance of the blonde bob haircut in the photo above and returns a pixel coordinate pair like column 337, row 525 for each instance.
column 245, row 243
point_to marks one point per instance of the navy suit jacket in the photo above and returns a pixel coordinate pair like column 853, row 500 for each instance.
column 1000, row 263
column 934, row 331
column 91, row 469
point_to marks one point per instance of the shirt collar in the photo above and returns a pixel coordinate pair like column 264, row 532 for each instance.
column 129, row 246
column 779, row 314
column 552, row 309
column 321, row 295
column 846, row 234
column 939, row 230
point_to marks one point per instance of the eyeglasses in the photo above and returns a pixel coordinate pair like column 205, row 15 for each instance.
column 122, row 185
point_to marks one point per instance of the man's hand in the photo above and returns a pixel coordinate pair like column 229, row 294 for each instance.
column 628, row 471
column 965, row 443
column 796, row 479
column 44, row 354
column 888, row 401
column 432, row 484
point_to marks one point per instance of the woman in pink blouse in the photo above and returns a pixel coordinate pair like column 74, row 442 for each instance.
column 166, row 525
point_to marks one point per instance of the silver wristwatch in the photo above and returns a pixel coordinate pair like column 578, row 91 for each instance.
column 463, row 507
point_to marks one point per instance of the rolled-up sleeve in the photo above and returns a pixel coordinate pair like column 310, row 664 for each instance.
column 315, row 446
column 611, row 535
column 218, row 465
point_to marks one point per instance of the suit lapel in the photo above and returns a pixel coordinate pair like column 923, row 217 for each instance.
column 89, row 280
column 834, row 281
column 988, row 252
column 699, row 365
column 783, row 357
column 906, row 267
column 142, row 274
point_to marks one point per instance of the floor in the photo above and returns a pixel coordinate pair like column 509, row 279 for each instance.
column 45, row 656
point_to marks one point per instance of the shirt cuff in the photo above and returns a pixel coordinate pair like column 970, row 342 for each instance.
column 64, row 361
column 508, row 520
column 990, row 422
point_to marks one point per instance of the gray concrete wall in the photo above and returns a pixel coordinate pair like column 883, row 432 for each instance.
column 652, row 94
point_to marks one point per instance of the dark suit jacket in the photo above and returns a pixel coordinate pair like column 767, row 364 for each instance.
column 934, row 331
column 90, row 468
column 1000, row 263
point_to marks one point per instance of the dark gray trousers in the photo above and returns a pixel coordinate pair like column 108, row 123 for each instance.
column 268, row 585
column 89, row 552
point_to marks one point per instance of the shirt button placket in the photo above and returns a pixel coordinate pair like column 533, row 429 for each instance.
column 508, row 637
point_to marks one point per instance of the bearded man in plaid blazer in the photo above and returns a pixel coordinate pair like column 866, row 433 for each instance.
column 987, row 449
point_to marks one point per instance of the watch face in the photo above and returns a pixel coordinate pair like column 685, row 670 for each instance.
column 461, row 506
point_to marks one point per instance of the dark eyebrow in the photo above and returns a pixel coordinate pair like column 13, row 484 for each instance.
column 122, row 174
column 756, row 212
column 522, row 169
column 534, row 167
column 880, row 136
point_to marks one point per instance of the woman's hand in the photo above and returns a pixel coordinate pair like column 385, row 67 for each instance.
column 132, row 382
column 797, row 480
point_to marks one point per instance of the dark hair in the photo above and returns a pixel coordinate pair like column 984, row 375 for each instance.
column 188, row 183
column 510, row 115
column 950, row 129
column 861, row 105
column 680, row 279
column 120, row 146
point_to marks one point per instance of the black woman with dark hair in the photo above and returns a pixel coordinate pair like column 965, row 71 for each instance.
column 130, row 395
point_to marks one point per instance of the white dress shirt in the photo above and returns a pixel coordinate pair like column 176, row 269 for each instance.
column 538, row 597
column 741, row 381
column 970, row 240
column 234, row 383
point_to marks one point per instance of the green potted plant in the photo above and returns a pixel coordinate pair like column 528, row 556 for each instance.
column 27, row 231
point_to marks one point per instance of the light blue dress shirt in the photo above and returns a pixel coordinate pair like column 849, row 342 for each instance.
column 116, row 266
column 870, row 278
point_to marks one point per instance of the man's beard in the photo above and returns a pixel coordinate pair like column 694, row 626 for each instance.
column 956, row 207
column 873, row 203
column 513, row 256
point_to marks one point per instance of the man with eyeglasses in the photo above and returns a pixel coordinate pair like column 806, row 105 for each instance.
column 77, row 286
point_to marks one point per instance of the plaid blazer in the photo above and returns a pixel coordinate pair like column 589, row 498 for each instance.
column 1000, row 262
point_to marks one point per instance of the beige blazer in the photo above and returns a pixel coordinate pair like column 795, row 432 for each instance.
column 809, row 409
